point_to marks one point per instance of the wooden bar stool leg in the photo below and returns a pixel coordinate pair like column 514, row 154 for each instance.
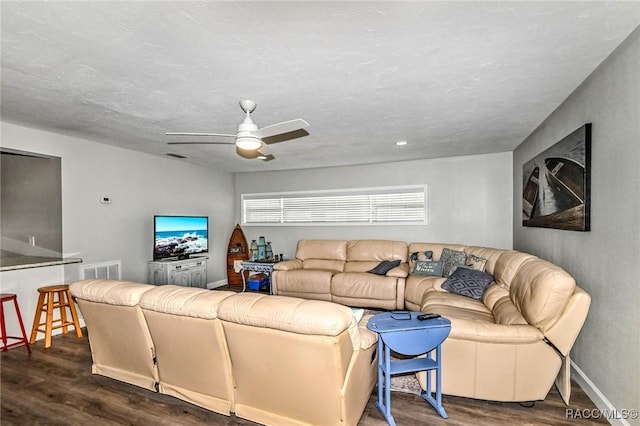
column 62, row 304
column 36, row 320
column 74, row 315
column 49, row 323
column 24, row 333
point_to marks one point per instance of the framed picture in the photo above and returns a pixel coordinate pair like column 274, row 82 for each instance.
column 556, row 184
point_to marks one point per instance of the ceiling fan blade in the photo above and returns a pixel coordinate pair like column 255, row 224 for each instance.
column 223, row 135
column 279, row 128
column 199, row 143
column 264, row 150
column 286, row 136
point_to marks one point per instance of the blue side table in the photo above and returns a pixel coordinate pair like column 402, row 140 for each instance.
column 403, row 333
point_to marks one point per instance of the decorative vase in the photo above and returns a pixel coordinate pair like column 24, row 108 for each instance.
column 254, row 251
column 269, row 251
column 262, row 248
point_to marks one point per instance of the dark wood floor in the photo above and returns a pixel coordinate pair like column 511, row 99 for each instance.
column 55, row 387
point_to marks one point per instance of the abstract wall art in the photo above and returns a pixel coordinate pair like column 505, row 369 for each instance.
column 556, row 184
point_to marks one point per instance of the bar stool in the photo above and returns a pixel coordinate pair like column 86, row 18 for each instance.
column 7, row 297
column 46, row 304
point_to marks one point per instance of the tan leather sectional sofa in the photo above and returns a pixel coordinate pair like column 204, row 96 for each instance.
column 291, row 360
column 270, row 359
column 508, row 346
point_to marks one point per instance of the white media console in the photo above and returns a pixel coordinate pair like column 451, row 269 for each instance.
column 188, row 272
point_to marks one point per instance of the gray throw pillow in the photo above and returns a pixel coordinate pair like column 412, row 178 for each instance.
column 429, row 268
column 385, row 266
column 468, row 282
column 452, row 259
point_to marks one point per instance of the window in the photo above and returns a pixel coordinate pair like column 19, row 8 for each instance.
column 400, row 205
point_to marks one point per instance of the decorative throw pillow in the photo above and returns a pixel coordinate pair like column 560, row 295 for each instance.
column 468, row 282
column 476, row 262
column 428, row 267
column 419, row 255
column 452, row 259
column 385, row 266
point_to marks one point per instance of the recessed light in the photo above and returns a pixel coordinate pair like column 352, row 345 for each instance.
column 401, row 143
column 262, row 157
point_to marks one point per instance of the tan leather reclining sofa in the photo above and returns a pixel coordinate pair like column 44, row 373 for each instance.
column 508, row 346
column 270, row 359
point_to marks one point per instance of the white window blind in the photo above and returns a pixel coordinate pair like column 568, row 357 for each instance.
column 387, row 205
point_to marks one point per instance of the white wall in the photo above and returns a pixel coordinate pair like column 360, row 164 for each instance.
column 605, row 261
column 469, row 200
column 140, row 186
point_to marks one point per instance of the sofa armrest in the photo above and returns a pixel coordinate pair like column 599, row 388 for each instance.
column 367, row 337
column 483, row 331
column 288, row 265
column 400, row 271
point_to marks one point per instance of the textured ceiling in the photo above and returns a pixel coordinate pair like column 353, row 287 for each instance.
column 451, row 78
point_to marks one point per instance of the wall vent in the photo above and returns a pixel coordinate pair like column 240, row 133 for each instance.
column 107, row 270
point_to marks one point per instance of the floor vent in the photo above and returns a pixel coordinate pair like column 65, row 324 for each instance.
column 107, row 270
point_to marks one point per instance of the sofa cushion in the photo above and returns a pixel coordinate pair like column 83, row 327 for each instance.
column 376, row 250
column 304, row 281
column 456, row 312
column 464, row 327
column 363, row 285
column 324, row 264
column 541, row 291
column 313, row 317
column 493, row 294
column 451, row 260
column 322, row 249
column 287, row 265
column 468, row 282
column 415, row 288
column 433, row 299
column 184, row 301
column 505, row 312
column 112, row 292
column 360, row 265
column 507, row 266
column 385, row 266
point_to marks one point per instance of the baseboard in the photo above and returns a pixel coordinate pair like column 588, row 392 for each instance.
column 216, row 284
column 605, row 410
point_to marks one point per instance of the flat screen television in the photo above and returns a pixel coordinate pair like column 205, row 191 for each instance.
column 180, row 236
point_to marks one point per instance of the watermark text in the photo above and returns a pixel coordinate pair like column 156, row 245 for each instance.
column 597, row 413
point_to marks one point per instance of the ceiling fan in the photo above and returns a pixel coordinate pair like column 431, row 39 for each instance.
column 250, row 141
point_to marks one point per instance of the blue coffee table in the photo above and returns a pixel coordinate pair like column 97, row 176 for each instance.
column 403, row 333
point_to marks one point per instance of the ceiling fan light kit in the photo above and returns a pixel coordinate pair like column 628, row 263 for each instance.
column 248, row 143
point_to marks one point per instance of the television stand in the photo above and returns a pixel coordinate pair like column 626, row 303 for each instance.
column 190, row 272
